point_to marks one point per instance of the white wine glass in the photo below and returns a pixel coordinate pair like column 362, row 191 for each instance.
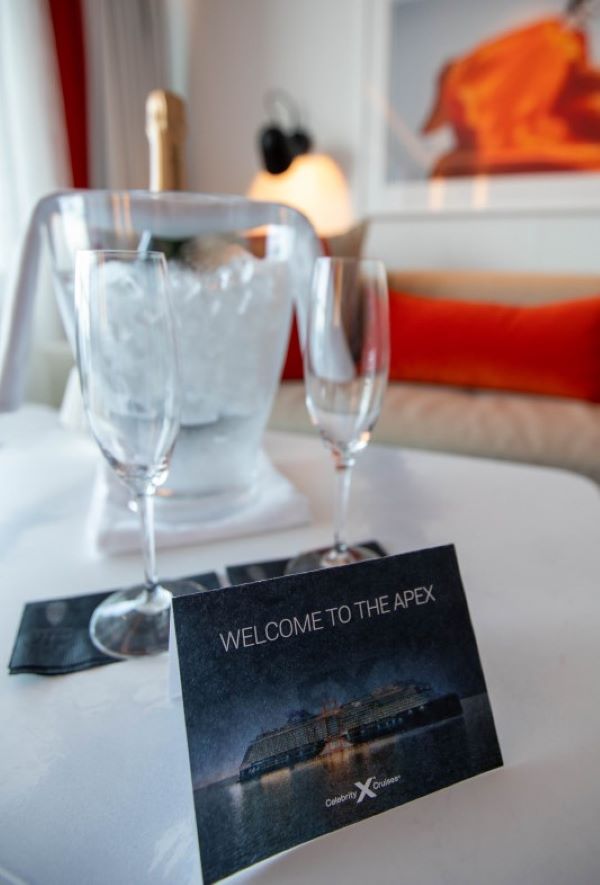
column 346, row 365
column 129, row 374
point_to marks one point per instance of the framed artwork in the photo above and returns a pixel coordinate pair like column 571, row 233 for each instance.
column 478, row 105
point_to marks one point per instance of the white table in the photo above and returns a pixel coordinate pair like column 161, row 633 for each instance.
column 94, row 783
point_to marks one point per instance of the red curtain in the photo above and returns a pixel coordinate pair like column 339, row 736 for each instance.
column 67, row 22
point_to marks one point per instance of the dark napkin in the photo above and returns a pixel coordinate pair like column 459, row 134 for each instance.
column 53, row 636
column 275, row 568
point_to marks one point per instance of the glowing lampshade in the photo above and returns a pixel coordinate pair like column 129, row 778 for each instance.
column 315, row 185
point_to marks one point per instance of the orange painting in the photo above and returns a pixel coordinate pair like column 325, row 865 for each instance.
column 527, row 100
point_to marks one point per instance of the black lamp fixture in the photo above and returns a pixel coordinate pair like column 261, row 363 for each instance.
column 279, row 146
column 294, row 175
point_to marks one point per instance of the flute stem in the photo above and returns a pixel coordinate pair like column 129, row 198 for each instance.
column 343, row 476
column 145, row 505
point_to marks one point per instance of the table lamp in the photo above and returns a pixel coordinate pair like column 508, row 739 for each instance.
column 313, row 183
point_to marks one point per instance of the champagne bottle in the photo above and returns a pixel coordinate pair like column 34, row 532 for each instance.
column 166, row 131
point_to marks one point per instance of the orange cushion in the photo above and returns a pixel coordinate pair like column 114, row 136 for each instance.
column 293, row 369
column 551, row 349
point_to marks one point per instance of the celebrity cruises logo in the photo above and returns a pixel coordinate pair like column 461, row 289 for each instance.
column 367, row 790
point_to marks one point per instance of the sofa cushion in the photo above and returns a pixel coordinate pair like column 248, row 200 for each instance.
column 548, row 431
column 293, row 369
column 497, row 287
column 551, row 349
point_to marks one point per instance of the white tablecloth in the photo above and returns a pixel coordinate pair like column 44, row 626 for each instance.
column 94, row 781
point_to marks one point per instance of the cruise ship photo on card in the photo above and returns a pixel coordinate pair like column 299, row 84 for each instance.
column 295, row 733
column 392, row 709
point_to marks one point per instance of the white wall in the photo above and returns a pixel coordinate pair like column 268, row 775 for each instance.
column 564, row 242
column 317, row 51
column 239, row 49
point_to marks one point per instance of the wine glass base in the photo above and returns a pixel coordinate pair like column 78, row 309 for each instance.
column 317, row 559
column 132, row 623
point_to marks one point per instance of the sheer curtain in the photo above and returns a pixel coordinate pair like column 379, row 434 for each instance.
column 127, row 49
column 34, row 159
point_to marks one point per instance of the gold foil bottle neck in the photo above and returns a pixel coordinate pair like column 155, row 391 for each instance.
column 166, row 131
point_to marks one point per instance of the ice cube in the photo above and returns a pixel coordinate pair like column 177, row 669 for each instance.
column 231, row 330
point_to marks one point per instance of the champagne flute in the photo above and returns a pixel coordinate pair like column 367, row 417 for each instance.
column 346, row 364
column 128, row 368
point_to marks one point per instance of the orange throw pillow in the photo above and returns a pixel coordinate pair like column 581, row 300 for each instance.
column 293, row 369
column 551, row 349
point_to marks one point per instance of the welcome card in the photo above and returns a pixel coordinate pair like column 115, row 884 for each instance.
column 316, row 700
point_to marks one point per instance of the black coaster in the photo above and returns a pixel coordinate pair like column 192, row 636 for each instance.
column 275, row 568
column 53, row 636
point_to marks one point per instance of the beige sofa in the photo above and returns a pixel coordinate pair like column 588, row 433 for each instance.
column 556, row 432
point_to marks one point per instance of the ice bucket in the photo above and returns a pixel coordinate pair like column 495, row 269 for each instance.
column 236, row 267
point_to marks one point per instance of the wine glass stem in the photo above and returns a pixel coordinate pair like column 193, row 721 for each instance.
column 343, row 475
column 145, row 505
